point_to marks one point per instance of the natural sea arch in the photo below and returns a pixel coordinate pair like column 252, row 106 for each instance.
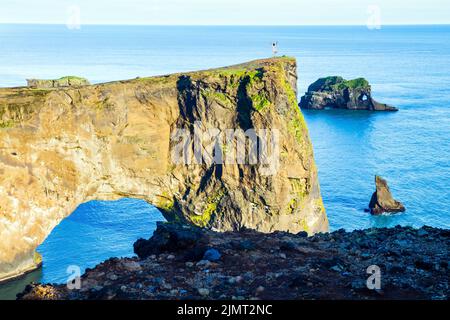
column 62, row 147
column 94, row 232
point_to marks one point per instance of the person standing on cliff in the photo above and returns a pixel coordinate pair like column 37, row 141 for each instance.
column 275, row 48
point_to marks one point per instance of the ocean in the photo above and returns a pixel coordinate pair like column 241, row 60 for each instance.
column 407, row 66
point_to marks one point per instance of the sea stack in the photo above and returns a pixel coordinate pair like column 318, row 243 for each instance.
column 382, row 200
column 337, row 93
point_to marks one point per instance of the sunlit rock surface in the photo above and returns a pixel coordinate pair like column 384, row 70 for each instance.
column 60, row 147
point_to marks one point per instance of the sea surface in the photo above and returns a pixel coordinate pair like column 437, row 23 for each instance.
column 408, row 66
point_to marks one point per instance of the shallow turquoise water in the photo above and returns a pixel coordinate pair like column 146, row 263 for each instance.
column 408, row 67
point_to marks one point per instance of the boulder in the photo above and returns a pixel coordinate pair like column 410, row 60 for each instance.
column 382, row 200
column 170, row 237
column 337, row 93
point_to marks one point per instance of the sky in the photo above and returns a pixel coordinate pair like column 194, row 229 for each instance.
column 226, row 12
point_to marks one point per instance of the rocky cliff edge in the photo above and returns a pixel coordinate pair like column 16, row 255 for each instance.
column 61, row 147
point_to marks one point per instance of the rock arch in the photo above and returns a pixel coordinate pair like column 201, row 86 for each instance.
column 62, row 147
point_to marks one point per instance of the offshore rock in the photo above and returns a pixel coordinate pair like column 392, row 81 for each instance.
column 337, row 93
column 382, row 200
column 61, row 147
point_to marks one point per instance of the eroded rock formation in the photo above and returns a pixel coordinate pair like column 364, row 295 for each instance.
column 69, row 81
column 61, row 147
column 382, row 200
column 338, row 93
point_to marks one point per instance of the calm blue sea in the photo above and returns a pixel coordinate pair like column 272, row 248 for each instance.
column 408, row 66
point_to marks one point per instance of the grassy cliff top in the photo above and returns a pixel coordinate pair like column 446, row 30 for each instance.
column 65, row 78
column 237, row 70
column 20, row 101
column 71, row 78
column 338, row 83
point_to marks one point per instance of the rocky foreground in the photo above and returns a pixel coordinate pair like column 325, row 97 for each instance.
column 182, row 262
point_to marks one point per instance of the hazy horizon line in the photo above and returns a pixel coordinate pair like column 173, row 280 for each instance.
column 227, row 25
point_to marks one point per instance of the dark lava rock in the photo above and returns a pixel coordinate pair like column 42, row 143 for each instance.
column 338, row 93
column 299, row 282
column 382, row 200
column 244, row 245
column 423, row 264
column 302, row 234
column 212, row 255
column 170, row 237
column 331, row 266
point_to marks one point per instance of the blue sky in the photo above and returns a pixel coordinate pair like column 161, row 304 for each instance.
column 227, row 12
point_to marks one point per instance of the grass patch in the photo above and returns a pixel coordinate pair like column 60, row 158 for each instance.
column 338, row 83
column 218, row 96
column 6, row 124
column 260, row 101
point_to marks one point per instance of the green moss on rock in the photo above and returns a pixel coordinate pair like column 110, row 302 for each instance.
column 210, row 208
column 217, row 96
column 165, row 202
column 37, row 258
column 356, row 83
column 260, row 101
column 6, row 124
column 338, row 83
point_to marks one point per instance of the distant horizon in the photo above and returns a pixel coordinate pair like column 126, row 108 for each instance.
column 227, row 25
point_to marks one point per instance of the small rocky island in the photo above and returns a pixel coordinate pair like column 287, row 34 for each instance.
column 382, row 200
column 337, row 93
column 186, row 262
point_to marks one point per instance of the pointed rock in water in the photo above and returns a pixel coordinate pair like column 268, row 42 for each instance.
column 337, row 93
column 382, row 200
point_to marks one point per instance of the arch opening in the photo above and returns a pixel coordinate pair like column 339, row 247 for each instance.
column 94, row 232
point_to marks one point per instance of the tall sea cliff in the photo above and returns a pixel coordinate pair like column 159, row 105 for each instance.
column 65, row 146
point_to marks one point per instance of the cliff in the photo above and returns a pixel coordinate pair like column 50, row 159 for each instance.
column 186, row 263
column 338, row 93
column 61, row 147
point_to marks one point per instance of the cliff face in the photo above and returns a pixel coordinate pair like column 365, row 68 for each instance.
column 61, row 147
